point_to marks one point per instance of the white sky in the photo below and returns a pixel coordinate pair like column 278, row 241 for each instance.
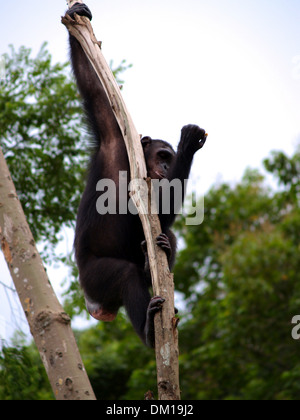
column 233, row 67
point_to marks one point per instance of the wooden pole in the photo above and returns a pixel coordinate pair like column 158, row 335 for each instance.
column 166, row 337
column 49, row 324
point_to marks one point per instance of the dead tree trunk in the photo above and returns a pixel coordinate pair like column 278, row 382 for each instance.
column 166, row 337
column 49, row 324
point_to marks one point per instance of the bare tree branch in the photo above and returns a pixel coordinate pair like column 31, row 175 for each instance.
column 49, row 324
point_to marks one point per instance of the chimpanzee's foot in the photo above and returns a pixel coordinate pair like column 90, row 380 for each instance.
column 155, row 306
column 99, row 313
column 164, row 243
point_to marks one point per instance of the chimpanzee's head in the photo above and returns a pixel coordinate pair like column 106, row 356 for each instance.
column 159, row 156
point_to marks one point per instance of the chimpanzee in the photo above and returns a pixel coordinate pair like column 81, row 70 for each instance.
column 110, row 249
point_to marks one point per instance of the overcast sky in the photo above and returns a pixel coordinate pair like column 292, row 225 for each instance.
column 230, row 66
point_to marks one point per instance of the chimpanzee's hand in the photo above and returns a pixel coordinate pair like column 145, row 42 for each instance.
column 192, row 139
column 81, row 9
column 163, row 242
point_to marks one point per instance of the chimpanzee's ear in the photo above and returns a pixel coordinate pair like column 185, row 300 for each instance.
column 146, row 141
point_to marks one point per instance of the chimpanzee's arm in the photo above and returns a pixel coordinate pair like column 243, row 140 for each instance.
column 192, row 139
column 96, row 103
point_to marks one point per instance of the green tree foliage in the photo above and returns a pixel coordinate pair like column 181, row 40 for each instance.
column 40, row 132
column 22, row 375
column 243, row 290
column 112, row 355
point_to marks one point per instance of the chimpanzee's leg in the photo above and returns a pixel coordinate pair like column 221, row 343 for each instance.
column 110, row 283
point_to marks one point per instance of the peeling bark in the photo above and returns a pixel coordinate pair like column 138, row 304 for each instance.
column 49, row 324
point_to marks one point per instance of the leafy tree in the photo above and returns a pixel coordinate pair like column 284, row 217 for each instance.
column 112, row 353
column 22, row 375
column 239, row 273
column 40, row 133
